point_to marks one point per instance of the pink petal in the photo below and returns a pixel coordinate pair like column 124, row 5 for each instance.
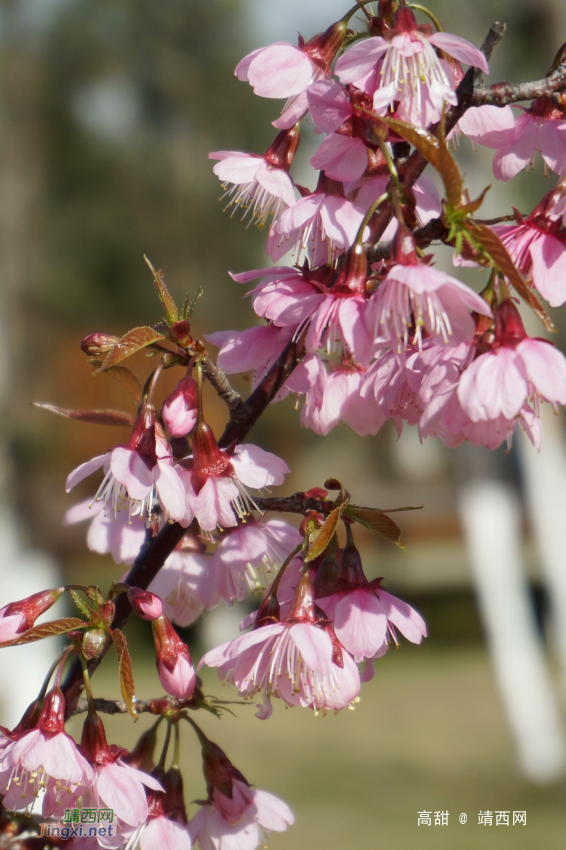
column 162, row 833
column 406, row 619
column 243, row 351
column 86, row 469
column 130, row 469
column 341, row 158
column 360, row 623
column 271, row 812
column 360, row 59
column 549, row 268
column 280, row 70
column 491, row 126
column 123, row 793
column 460, row 49
column 293, row 113
column 329, row 105
column 171, row 491
column 546, row 369
column 258, row 468
column 241, row 169
column 276, row 181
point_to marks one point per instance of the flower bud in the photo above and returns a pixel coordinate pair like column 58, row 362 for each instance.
column 93, row 641
column 94, row 746
column 98, row 343
column 351, row 570
column 283, row 148
column 180, row 333
column 509, row 328
column 142, row 756
column 16, row 617
column 321, row 49
column 227, row 788
column 146, row 604
column 174, row 667
column 180, row 409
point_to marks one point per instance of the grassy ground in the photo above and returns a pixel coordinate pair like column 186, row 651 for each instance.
column 429, row 733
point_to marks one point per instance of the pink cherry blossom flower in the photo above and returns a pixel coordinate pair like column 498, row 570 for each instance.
column 179, row 409
column 403, row 67
column 295, row 660
column 344, row 397
column 266, row 813
column 40, row 754
column 260, row 184
column 434, row 375
column 174, row 667
column 122, row 535
column 515, row 369
column 364, row 616
column 540, row 128
column 178, row 585
column 116, row 785
column 142, row 472
column 166, row 826
column 386, row 379
column 16, row 617
column 282, row 70
column 216, row 480
column 247, row 559
column 253, row 350
column 414, row 297
column 537, row 246
column 321, row 225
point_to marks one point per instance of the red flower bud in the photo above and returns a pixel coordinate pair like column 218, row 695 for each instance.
column 98, row 343
column 147, row 605
column 173, row 659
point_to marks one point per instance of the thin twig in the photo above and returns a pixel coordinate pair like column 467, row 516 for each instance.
column 233, row 400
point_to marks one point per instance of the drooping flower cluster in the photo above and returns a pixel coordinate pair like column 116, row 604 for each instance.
column 377, row 334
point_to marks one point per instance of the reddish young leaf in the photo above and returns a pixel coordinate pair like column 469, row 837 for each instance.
column 45, row 630
column 376, row 520
column 171, row 312
column 498, row 254
column 128, row 379
column 95, row 417
column 133, row 341
column 324, row 535
column 125, row 672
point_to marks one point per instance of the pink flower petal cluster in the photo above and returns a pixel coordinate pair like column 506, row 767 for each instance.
column 403, row 67
column 178, row 584
column 138, row 474
column 247, row 559
column 541, row 128
column 265, row 813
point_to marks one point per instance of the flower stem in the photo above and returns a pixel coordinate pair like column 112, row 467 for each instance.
column 426, row 11
column 163, row 756
column 88, row 688
column 367, row 217
column 283, row 567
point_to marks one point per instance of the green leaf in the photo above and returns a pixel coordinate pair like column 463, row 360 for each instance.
column 95, row 417
column 82, row 606
column 125, row 672
column 45, row 630
column 128, row 379
column 133, row 341
column 376, row 520
column 496, row 251
column 324, row 535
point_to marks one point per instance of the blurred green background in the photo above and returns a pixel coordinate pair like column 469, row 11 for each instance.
column 108, row 109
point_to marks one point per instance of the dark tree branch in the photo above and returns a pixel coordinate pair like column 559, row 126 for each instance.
column 502, row 94
column 233, row 400
column 143, row 706
column 298, row 503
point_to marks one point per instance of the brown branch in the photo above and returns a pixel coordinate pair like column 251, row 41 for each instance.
column 233, row 400
column 110, row 706
column 502, row 94
column 298, row 503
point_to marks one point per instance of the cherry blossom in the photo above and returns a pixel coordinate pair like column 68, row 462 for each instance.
column 247, row 558
column 283, row 70
column 260, row 184
column 174, row 666
column 403, row 66
column 216, row 480
column 295, row 660
column 41, row 754
column 121, row 535
column 415, row 297
column 179, row 409
column 541, row 128
column 141, row 472
column 266, row 813
column 515, row 369
column 178, row 584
